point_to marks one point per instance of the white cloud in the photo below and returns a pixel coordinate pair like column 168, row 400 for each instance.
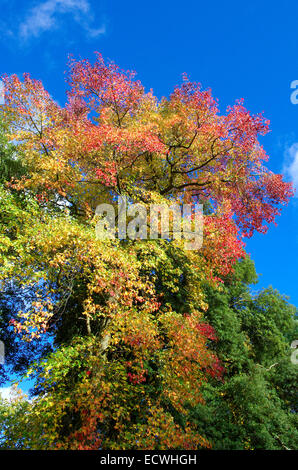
column 43, row 17
column 13, row 393
column 290, row 168
column 5, row 392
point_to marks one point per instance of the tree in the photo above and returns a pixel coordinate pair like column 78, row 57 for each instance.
column 131, row 346
column 18, row 355
column 255, row 407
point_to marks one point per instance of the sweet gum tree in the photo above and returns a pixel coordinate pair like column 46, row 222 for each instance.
column 130, row 344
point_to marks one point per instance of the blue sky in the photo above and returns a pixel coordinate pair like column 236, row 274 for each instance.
column 238, row 49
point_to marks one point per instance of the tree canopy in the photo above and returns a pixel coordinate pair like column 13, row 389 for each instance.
column 138, row 344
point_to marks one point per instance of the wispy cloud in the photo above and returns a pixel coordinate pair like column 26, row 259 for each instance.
column 44, row 17
column 290, row 168
column 5, row 393
column 12, row 393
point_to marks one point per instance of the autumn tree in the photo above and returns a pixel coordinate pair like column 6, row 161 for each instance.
column 131, row 344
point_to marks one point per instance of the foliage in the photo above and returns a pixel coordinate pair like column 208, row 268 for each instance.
column 256, row 406
column 134, row 343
